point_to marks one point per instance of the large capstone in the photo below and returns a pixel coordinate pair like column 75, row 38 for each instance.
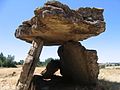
column 56, row 23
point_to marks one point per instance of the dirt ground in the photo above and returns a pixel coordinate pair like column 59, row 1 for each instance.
column 109, row 77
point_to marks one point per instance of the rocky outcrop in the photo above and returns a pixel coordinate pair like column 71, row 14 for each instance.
column 56, row 23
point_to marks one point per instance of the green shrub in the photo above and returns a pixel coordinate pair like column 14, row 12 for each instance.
column 7, row 61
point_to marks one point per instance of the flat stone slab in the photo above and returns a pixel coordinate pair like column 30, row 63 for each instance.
column 56, row 23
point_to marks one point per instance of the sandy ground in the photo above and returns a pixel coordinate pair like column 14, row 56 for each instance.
column 9, row 77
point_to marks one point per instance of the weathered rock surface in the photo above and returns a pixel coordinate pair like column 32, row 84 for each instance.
column 56, row 23
column 29, row 65
column 78, row 64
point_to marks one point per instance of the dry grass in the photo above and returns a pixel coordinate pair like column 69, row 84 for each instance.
column 109, row 78
column 110, row 74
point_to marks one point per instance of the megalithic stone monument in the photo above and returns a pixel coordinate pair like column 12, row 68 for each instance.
column 56, row 24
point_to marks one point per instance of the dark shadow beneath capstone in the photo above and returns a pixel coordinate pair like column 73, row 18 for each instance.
column 58, row 83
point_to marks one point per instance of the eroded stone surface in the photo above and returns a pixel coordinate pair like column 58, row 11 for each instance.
column 29, row 65
column 78, row 64
column 56, row 23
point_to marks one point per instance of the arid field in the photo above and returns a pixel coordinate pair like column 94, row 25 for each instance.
column 109, row 77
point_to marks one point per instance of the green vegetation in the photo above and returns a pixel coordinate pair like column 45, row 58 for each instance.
column 45, row 62
column 20, row 62
column 39, row 64
column 7, row 61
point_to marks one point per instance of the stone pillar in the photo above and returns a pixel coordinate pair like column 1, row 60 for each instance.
column 78, row 64
column 29, row 65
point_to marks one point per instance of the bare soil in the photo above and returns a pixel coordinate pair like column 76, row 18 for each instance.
column 109, row 77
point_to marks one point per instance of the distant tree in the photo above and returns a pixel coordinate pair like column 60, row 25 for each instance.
column 117, row 64
column 10, row 61
column 1, row 63
column 2, row 57
column 40, row 64
column 56, row 59
column 7, row 61
column 45, row 62
column 21, row 62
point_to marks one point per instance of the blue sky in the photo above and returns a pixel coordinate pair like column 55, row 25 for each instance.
column 13, row 12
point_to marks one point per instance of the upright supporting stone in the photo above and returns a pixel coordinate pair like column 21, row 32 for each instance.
column 29, row 65
column 78, row 64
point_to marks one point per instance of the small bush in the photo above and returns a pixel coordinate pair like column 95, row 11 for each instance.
column 7, row 61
